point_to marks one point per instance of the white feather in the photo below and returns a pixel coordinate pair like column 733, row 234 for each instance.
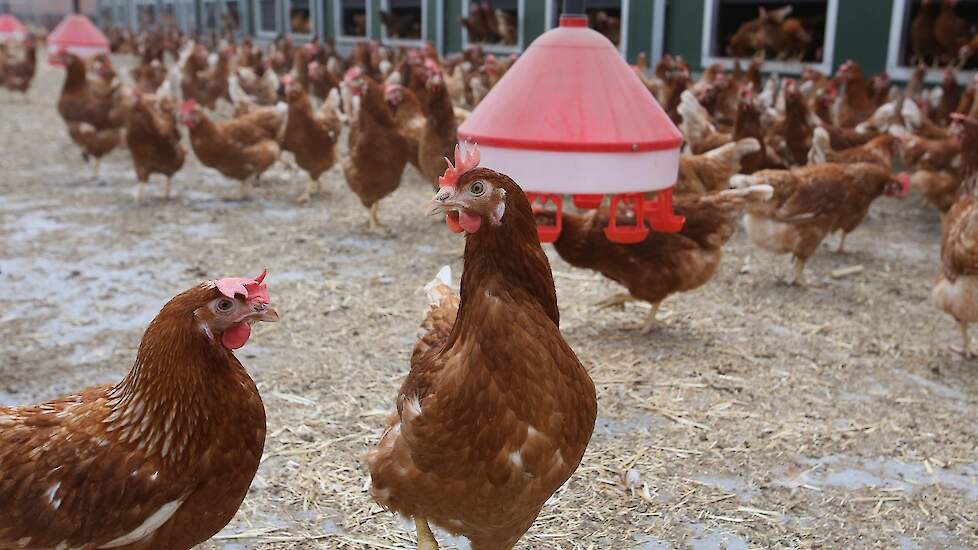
column 148, row 527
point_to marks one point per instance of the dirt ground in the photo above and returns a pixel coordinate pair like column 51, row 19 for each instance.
column 758, row 415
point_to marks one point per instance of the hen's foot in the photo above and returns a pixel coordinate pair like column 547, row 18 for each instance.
column 614, row 300
column 841, row 249
column 798, row 277
column 312, row 188
column 373, row 223
column 650, row 323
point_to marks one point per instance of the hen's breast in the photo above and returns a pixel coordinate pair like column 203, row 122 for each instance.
column 503, row 423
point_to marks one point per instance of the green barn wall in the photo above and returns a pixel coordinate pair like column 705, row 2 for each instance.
column 640, row 14
column 684, row 30
column 863, row 33
column 535, row 24
column 453, row 28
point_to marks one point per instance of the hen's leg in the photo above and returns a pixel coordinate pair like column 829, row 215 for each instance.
column 166, row 190
column 841, row 249
column 619, row 299
column 98, row 166
column 426, row 539
column 965, row 340
column 246, row 188
column 139, row 192
column 372, row 221
column 797, row 278
column 312, row 188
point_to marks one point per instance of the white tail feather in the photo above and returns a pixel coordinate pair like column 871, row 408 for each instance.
column 741, row 181
column 759, row 192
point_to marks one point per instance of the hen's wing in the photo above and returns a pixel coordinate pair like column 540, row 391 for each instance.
column 959, row 246
column 58, row 467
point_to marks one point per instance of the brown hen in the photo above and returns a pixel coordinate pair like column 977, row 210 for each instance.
column 663, row 263
column 161, row 460
column 497, row 411
column 378, row 152
column 811, row 202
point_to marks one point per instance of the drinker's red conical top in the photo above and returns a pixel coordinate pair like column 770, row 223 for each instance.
column 11, row 29
column 78, row 35
column 571, row 117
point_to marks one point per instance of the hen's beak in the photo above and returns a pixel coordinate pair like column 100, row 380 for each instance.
column 262, row 312
column 443, row 202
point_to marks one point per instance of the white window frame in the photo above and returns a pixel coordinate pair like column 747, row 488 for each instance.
column 498, row 48
column 259, row 32
column 313, row 20
column 384, row 39
column 440, row 26
column 710, row 14
column 658, row 48
column 903, row 72
column 338, row 23
column 551, row 22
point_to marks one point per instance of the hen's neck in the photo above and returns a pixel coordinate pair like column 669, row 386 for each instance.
column 505, row 267
column 179, row 385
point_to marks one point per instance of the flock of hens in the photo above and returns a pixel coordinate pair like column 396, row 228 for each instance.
column 799, row 158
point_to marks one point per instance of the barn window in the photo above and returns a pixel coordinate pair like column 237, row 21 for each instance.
column 231, row 20
column 403, row 20
column 790, row 34
column 265, row 15
column 300, row 17
column 168, row 16
column 608, row 17
column 145, row 15
column 351, row 19
column 497, row 25
column 122, row 15
column 210, row 15
column 914, row 38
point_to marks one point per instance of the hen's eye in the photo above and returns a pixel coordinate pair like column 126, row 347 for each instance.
column 477, row 188
column 225, row 305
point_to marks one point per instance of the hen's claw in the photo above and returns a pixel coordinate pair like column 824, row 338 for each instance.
column 619, row 299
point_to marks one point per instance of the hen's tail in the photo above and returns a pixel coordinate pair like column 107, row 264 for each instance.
column 439, row 318
column 741, row 197
column 735, row 151
column 821, row 145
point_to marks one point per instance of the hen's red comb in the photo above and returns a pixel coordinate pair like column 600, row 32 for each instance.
column 462, row 164
column 250, row 289
column 188, row 105
column 432, row 66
